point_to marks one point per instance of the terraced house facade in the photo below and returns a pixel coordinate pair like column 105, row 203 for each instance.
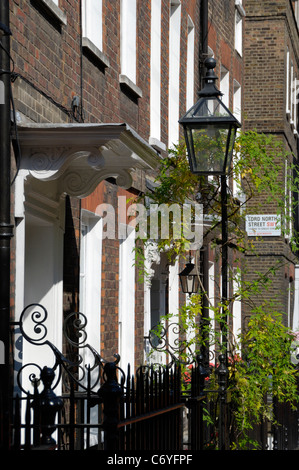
column 97, row 90
column 271, row 50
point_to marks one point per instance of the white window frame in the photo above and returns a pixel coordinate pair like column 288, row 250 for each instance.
column 174, row 72
column 155, row 80
column 239, row 15
column 237, row 105
column 288, row 201
column 54, row 10
column 90, row 278
column 92, row 30
column 295, row 103
column 126, row 311
column 224, row 85
column 288, row 112
column 92, row 18
column 237, row 306
column 128, row 46
column 292, row 97
column 190, row 64
column 237, row 111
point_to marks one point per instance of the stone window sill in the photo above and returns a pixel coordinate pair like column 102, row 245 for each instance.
column 128, row 85
column 157, row 144
column 240, row 8
column 98, row 55
column 54, row 11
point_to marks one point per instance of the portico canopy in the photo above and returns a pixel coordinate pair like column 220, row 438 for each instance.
column 77, row 157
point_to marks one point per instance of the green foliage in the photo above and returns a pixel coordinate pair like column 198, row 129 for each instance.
column 176, row 185
column 264, row 371
column 264, row 167
column 261, row 166
column 259, row 365
column 259, row 359
column 176, row 182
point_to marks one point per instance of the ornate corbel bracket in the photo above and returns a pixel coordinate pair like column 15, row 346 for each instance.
column 77, row 158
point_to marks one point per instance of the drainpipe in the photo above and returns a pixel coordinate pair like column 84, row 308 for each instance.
column 203, row 52
column 6, row 229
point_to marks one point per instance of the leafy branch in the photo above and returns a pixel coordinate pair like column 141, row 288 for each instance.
column 264, row 175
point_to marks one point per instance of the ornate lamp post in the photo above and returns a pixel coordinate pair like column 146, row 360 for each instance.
column 210, row 130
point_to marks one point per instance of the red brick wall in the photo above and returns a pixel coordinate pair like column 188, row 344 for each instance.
column 221, row 41
column 44, row 55
column 50, row 71
column 270, row 28
column 108, row 193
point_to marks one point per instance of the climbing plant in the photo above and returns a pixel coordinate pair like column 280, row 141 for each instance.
column 259, row 358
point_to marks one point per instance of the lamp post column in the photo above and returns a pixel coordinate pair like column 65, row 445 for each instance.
column 210, row 130
column 224, row 261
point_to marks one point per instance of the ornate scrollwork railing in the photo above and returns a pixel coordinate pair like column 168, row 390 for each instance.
column 171, row 339
column 34, row 331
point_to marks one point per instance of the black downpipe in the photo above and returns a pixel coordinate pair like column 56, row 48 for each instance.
column 6, row 229
column 203, row 51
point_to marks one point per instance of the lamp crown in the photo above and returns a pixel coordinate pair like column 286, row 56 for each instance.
column 210, row 78
column 210, row 64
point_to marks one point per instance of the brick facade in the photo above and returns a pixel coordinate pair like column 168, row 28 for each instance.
column 270, row 29
column 52, row 67
column 221, row 41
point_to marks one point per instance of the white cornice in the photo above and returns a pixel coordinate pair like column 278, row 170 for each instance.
column 78, row 156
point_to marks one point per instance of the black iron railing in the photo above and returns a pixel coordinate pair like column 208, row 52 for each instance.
column 73, row 407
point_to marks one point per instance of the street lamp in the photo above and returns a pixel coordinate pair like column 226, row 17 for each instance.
column 210, row 131
column 189, row 278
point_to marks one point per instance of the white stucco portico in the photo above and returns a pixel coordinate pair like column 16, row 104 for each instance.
column 57, row 160
column 78, row 156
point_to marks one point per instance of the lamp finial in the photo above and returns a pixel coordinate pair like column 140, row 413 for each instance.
column 210, row 78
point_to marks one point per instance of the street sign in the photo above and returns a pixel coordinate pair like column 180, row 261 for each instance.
column 263, row 225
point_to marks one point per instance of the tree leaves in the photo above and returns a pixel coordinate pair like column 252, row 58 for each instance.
column 266, row 177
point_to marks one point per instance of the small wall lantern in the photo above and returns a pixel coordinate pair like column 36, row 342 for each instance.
column 189, row 279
